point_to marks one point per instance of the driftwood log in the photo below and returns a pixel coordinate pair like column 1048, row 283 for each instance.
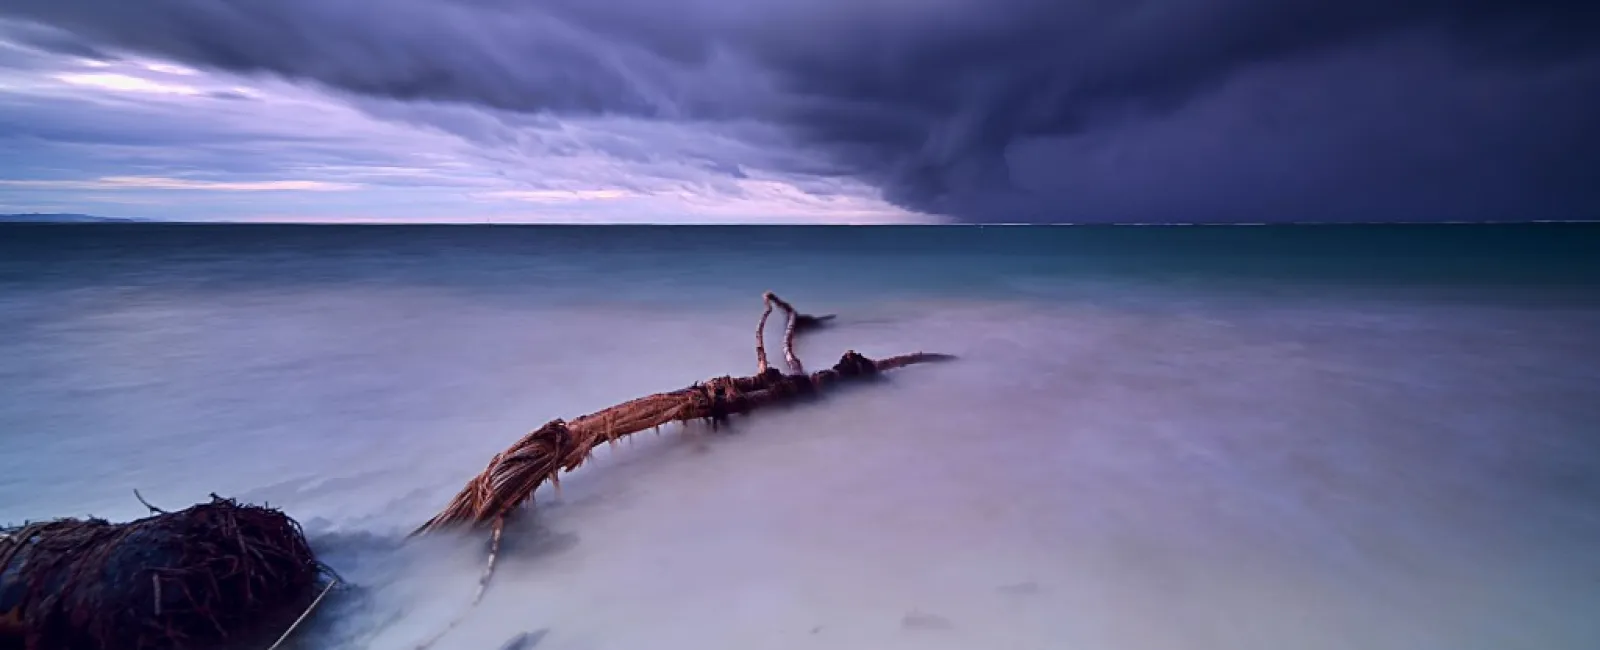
column 212, row 574
column 513, row 475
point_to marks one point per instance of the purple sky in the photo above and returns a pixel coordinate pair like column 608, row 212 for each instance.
column 832, row 111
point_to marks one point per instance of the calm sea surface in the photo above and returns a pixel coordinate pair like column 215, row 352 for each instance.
column 1229, row 438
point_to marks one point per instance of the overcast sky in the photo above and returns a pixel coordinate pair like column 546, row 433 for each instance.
column 834, row 111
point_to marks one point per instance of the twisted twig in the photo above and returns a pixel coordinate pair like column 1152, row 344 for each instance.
column 794, row 322
column 790, row 323
column 761, row 334
column 153, row 510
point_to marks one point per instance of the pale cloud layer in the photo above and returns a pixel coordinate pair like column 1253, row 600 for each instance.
column 158, row 183
column 145, row 138
column 817, row 110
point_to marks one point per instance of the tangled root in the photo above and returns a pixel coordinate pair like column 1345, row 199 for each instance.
column 214, row 573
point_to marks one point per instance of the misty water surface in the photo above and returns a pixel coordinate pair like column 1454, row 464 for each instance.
column 1373, row 438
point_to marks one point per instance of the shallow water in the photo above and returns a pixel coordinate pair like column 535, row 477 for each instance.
column 1156, row 438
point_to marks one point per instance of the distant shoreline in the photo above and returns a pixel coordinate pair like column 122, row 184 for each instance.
column 51, row 218
column 91, row 220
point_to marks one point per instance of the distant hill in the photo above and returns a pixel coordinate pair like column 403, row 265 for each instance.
column 60, row 218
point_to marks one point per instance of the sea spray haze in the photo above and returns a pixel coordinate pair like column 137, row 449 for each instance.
column 1376, row 437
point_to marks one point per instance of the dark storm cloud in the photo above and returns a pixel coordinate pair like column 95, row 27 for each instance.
column 47, row 39
column 994, row 109
column 504, row 57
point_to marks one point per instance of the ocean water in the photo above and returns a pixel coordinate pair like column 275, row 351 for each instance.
column 1364, row 437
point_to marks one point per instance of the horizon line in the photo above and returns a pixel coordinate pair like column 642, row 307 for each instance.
column 95, row 220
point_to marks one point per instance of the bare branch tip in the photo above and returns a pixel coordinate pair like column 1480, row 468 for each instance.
column 153, row 510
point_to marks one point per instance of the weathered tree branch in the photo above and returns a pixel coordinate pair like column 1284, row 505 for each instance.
column 514, row 474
